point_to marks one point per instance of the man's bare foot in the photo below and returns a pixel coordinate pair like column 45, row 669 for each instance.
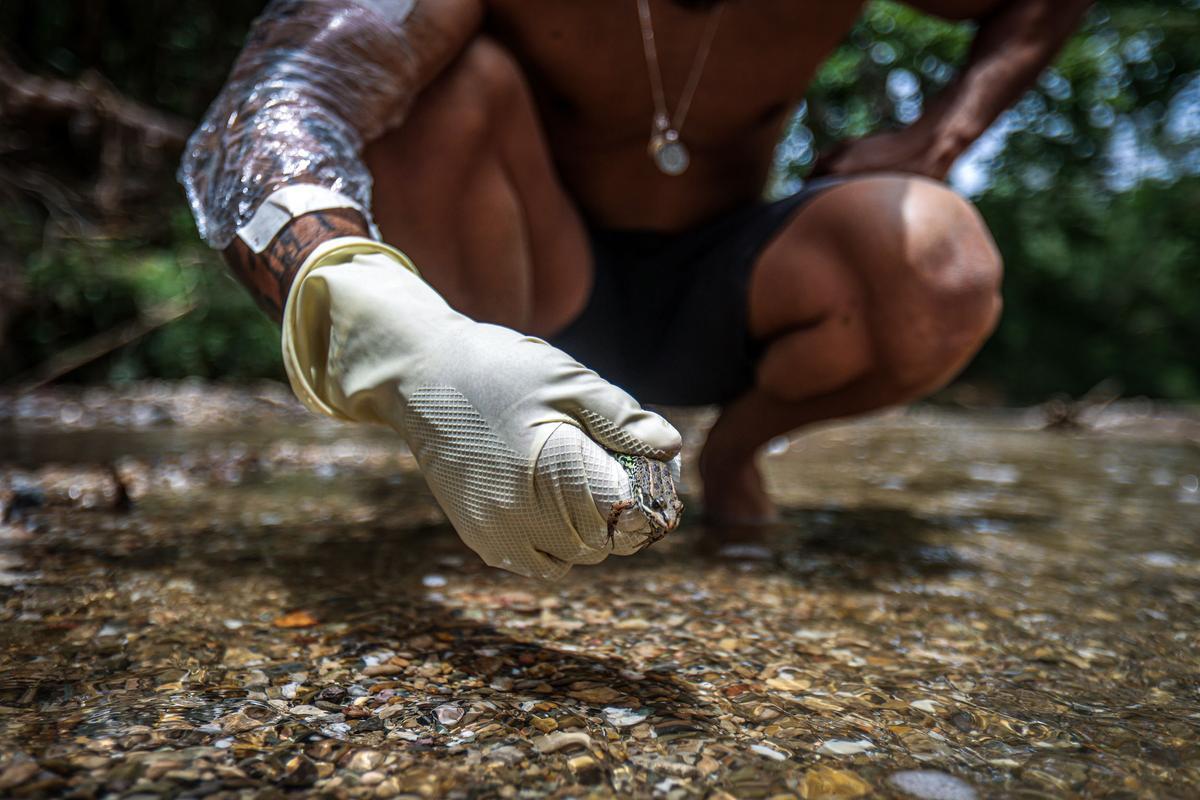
column 733, row 492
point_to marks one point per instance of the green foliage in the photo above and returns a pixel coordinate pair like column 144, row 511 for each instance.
column 850, row 96
column 87, row 286
column 1098, row 285
column 1092, row 197
column 171, row 55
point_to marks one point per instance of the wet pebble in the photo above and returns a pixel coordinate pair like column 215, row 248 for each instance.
column 928, row 784
column 365, row 760
column 544, row 724
column 17, row 774
column 843, row 747
column 299, row 771
column 507, row 755
column 553, row 742
column 769, row 752
column 305, row 710
column 624, row 717
column 597, row 695
column 826, row 783
column 449, row 714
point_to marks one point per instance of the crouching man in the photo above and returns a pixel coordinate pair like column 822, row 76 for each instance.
column 454, row 205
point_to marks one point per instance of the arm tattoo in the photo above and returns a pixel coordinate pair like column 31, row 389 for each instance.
column 268, row 275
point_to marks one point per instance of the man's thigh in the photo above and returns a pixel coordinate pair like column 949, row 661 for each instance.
column 467, row 187
column 881, row 272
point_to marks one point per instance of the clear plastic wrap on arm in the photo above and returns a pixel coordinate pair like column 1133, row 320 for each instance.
column 316, row 80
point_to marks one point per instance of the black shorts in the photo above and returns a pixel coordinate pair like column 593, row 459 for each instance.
column 667, row 316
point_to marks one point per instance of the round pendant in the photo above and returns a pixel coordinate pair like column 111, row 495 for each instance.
column 669, row 154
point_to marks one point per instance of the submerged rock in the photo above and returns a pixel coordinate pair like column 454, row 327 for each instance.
column 928, row 784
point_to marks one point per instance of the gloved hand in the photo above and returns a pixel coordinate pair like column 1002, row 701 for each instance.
column 504, row 426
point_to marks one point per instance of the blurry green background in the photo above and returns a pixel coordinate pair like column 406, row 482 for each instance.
column 1091, row 185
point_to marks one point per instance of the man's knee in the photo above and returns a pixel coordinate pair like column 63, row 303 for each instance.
column 894, row 277
column 463, row 107
column 458, row 114
column 485, row 84
column 490, row 68
column 952, row 271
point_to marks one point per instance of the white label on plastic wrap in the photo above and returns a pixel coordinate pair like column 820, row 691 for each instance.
column 285, row 205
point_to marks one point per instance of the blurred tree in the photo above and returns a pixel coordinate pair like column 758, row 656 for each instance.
column 87, row 266
column 1089, row 182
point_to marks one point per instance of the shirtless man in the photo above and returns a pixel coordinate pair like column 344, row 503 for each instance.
column 508, row 145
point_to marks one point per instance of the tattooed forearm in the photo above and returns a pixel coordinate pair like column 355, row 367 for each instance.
column 268, row 275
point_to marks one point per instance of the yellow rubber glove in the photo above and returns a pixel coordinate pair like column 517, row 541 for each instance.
column 507, row 429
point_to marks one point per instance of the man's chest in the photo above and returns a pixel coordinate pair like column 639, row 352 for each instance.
column 586, row 63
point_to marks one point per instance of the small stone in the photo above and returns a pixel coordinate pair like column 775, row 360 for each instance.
column 377, row 670
column 765, row 713
column 582, row 762
column 596, row 695
column 18, row 773
column 827, row 783
column 305, row 710
column 387, row 712
column 769, row 752
column 587, row 770
column 299, row 771
column 249, row 719
column 365, row 760
column 389, row 788
column 507, row 755
column 296, row 619
column 449, row 714
column 90, row 761
column 372, row 778
column 332, row 694
column 323, row 750
column 256, row 679
column 624, row 717
column 789, row 684
column 930, row 784
column 544, row 724
column 558, row 740
column 159, row 768
column 183, row 775
column 843, row 747
column 928, row 706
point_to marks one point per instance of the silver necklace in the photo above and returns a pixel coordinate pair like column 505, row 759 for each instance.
column 666, row 149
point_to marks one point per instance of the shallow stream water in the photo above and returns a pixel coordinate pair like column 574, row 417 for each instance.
column 207, row 593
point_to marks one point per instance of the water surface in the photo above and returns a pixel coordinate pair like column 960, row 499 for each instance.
column 954, row 602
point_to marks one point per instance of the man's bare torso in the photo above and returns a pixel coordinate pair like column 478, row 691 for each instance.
column 584, row 62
